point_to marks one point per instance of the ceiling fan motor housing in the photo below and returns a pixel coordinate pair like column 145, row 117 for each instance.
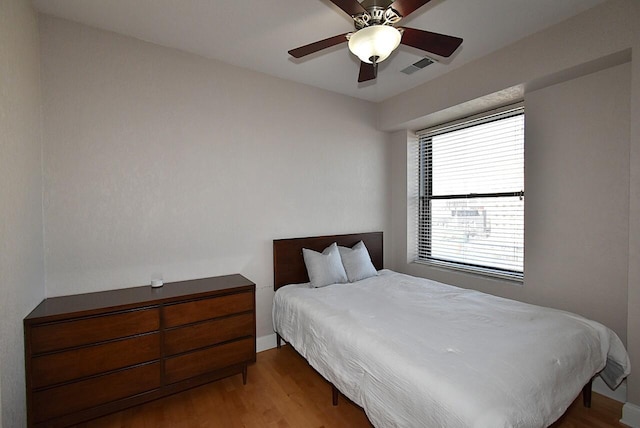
column 376, row 15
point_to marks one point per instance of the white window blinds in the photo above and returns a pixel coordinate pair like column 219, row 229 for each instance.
column 471, row 207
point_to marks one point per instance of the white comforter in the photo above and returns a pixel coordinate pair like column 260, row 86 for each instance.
column 417, row 353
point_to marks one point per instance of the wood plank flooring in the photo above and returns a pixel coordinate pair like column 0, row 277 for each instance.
column 283, row 391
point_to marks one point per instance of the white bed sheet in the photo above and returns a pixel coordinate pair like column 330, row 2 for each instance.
column 417, row 353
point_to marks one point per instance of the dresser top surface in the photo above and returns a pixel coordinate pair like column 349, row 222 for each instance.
column 126, row 298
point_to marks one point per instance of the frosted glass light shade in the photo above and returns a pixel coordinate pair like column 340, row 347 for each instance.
column 374, row 41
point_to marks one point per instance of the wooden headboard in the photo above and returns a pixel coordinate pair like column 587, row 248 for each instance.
column 288, row 264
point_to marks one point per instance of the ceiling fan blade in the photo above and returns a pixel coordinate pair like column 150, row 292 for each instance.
column 439, row 44
column 318, row 46
column 405, row 7
column 351, row 7
column 367, row 71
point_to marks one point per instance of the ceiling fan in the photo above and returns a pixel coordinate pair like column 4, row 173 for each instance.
column 376, row 37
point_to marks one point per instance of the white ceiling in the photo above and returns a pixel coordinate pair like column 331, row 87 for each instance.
column 256, row 34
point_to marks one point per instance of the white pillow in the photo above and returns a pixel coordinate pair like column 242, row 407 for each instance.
column 357, row 262
column 324, row 268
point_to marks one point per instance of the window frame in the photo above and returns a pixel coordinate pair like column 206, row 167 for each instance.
column 425, row 195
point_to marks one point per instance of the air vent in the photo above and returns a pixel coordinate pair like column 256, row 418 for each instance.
column 418, row 65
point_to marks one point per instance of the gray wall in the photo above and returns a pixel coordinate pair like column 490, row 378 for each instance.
column 581, row 91
column 576, row 203
column 161, row 161
column 633, row 299
column 21, row 254
column 577, row 196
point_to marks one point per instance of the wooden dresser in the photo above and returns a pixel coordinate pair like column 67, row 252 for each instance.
column 91, row 354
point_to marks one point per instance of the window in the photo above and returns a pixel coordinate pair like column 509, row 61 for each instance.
column 471, row 200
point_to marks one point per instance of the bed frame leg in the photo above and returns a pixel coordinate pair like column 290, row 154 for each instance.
column 334, row 395
column 278, row 341
column 586, row 394
column 244, row 374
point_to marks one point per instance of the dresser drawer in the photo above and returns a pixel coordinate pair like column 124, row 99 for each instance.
column 77, row 363
column 61, row 335
column 183, row 339
column 77, row 396
column 210, row 359
column 200, row 310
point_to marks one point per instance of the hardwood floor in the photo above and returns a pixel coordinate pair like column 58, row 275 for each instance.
column 284, row 392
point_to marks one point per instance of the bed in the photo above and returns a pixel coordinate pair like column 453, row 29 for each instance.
column 416, row 353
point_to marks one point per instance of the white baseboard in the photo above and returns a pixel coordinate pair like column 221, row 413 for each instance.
column 619, row 394
column 631, row 415
column 265, row 342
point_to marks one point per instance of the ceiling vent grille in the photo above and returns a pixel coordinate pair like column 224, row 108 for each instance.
column 418, row 65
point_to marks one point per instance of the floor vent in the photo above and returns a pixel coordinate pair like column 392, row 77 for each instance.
column 417, row 66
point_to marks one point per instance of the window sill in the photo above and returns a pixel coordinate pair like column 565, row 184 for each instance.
column 451, row 267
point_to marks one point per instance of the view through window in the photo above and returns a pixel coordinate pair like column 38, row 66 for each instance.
column 471, row 211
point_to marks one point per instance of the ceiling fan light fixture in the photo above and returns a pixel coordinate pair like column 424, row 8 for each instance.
column 375, row 41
